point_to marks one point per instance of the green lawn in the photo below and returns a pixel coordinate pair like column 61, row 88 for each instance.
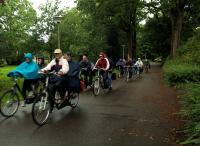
column 5, row 82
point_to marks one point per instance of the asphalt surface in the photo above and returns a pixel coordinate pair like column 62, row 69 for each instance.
column 137, row 113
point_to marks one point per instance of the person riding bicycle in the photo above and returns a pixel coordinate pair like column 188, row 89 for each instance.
column 110, row 71
column 40, row 62
column 120, row 65
column 72, row 77
column 147, row 63
column 129, row 64
column 60, row 66
column 29, row 70
column 139, row 63
column 103, row 64
column 86, row 67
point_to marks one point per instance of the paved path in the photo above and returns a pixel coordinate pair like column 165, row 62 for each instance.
column 138, row 113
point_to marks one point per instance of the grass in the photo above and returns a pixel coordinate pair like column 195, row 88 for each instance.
column 186, row 76
column 6, row 82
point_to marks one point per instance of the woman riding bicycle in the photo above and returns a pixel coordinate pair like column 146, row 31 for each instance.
column 29, row 70
column 103, row 64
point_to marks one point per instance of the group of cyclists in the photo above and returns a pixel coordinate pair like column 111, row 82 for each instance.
column 68, row 72
column 132, row 65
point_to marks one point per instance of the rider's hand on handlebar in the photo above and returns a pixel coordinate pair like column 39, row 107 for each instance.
column 45, row 71
column 103, row 69
column 60, row 73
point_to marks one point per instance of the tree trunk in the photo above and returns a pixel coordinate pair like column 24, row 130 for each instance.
column 134, row 40
column 176, row 15
column 130, row 44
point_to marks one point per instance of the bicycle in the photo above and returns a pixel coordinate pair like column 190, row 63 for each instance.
column 42, row 108
column 128, row 69
column 10, row 101
column 98, row 83
column 136, row 72
column 121, row 71
column 82, row 77
column 146, row 67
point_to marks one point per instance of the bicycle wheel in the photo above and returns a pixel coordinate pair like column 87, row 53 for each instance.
column 96, row 87
column 74, row 99
column 41, row 110
column 146, row 69
column 9, row 103
column 127, row 76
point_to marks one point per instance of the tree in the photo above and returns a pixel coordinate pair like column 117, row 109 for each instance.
column 17, row 17
column 114, row 14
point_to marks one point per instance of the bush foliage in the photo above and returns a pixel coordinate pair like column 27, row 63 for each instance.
column 176, row 72
column 179, row 72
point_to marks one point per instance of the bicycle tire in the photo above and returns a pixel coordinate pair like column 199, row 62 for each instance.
column 8, row 98
column 96, row 87
column 35, row 108
column 127, row 76
column 74, row 100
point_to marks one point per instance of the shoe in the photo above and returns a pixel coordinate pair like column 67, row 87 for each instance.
column 110, row 88
column 23, row 103
column 30, row 94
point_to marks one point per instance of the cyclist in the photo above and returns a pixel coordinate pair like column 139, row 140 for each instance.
column 103, row 64
column 29, row 70
column 129, row 64
column 40, row 62
column 73, row 74
column 147, row 63
column 86, row 67
column 57, row 83
column 120, row 65
column 139, row 63
column 110, row 70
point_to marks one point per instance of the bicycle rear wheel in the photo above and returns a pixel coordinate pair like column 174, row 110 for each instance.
column 96, row 87
column 41, row 110
column 9, row 103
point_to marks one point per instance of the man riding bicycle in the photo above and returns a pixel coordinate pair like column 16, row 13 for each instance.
column 139, row 64
column 60, row 66
column 86, row 69
column 103, row 64
column 147, row 64
column 120, row 65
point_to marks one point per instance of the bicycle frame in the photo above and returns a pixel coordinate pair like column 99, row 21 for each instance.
column 16, row 87
column 99, row 77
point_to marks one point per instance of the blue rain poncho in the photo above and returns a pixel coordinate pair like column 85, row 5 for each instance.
column 28, row 70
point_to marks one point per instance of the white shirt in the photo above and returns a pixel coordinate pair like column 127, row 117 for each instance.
column 63, row 62
column 139, row 63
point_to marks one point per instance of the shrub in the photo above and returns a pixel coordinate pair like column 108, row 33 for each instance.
column 191, row 110
column 176, row 72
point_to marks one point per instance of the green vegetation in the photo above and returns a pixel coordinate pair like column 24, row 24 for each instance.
column 171, row 30
column 184, row 72
column 6, row 82
column 176, row 72
column 191, row 112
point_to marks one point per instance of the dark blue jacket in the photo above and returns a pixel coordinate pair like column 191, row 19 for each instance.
column 73, row 76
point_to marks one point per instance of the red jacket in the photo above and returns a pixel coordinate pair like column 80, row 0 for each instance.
column 102, row 63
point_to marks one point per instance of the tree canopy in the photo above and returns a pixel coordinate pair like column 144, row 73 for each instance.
column 144, row 28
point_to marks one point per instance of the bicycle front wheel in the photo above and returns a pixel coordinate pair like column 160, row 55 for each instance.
column 9, row 103
column 74, row 99
column 41, row 110
column 96, row 87
column 127, row 76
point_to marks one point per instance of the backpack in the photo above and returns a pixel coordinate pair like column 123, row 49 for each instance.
column 111, row 64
